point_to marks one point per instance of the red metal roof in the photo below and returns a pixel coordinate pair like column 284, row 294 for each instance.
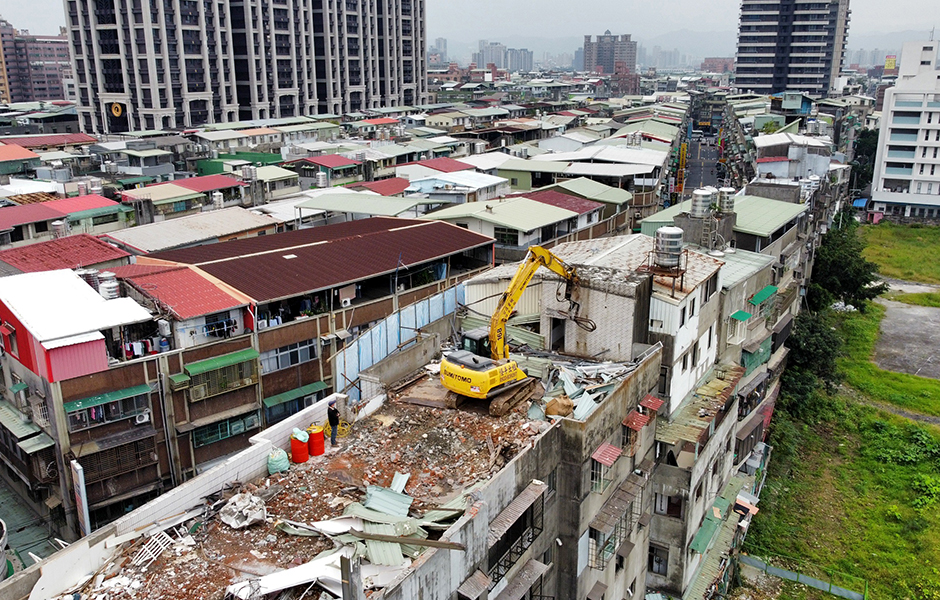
column 562, row 200
column 330, row 161
column 385, row 187
column 607, row 454
column 651, row 402
column 80, row 203
column 444, row 165
column 11, row 216
column 181, row 290
column 297, row 262
column 41, row 141
column 208, row 183
column 380, row 121
column 10, row 152
column 770, row 159
column 69, row 252
column 636, row 421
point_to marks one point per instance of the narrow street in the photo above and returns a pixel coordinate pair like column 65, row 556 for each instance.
column 702, row 165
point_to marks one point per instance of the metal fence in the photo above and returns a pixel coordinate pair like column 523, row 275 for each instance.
column 389, row 334
column 826, row 585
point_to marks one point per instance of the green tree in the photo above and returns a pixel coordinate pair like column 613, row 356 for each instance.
column 769, row 127
column 840, row 272
column 811, row 365
column 866, row 144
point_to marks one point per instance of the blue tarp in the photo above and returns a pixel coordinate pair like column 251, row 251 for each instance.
column 859, row 202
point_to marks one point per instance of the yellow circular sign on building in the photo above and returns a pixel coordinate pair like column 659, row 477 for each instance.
column 116, row 109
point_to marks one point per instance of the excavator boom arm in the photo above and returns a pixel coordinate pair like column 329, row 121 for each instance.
column 535, row 258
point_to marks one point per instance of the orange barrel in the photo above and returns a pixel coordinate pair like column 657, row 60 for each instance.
column 299, row 452
column 317, row 447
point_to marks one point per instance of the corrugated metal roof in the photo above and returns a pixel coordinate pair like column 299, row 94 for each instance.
column 616, row 506
column 160, row 193
column 517, row 213
column 41, row 442
column 365, row 203
column 636, row 420
column 562, row 200
column 70, row 252
column 509, row 515
column 106, row 397
column 208, row 183
column 385, row 187
column 607, row 454
column 523, row 580
column 10, row 152
column 763, row 295
column 387, row 501
column 379, row 552
column 651, row 402
column 183, row 291
column 327, row 256
column 755, row 215
column 11, row 216
column 594, row 190
column 42, row 140
column 475, row 585
column 224, row 360
column 694, row 417
column 191, row 229
column 15, row 422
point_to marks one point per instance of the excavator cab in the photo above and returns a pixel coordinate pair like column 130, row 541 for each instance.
column 477, row 341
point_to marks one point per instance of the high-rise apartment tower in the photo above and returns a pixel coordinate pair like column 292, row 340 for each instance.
column 796, row 45
column 143, row 64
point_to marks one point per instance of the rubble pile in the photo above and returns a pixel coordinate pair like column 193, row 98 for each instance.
column 292, row 527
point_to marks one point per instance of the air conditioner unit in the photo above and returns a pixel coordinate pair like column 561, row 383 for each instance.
column 346, row 302
column 198, row 393
column 142, row 418
column 251, row 422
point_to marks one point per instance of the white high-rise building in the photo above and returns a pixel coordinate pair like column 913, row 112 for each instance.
column 906, row 177
column 180, row 63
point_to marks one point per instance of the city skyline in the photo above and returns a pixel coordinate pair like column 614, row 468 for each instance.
column 455, row 18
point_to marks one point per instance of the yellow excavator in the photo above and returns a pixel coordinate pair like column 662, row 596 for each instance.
column 481, row 367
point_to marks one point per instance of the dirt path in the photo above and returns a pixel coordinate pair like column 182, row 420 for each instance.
column 907, row 414
column 909, row 287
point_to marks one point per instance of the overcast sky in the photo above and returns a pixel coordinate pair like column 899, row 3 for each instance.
column 502, row 19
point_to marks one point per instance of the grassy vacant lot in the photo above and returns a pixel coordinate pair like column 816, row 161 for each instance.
column 931, row 299
column 860, row 331
column 910, row 253
column 858, row 493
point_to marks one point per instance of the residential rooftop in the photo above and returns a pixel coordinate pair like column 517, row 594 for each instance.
column 518, row 213
column 70, row 252
column 755, row 215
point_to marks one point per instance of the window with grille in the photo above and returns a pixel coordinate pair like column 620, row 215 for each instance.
column 628, row 439
column 288, row 356
column 223, row 380
column 115, row 461
column 602, row 548
column 109, row 412
column 216, row 432
column 517, row 539
column 658, row 560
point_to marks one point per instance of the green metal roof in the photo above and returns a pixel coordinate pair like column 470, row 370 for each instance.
column 222, row 361
column 741, row 316
column 367, row 204
column 705, row 534
column 97, row 212
column 762, row 295
column 593, row 190
column 755, row 215
column 36, row 443
column 179, row 378
column 521, row 214
column 19, row 387
column 12, row 420
column 300, row 392
column 133, row 180
column 107, row 397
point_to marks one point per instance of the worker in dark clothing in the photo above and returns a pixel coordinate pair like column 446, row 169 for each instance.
column 332, row 415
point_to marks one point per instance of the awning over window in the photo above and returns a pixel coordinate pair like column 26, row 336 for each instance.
column 597, row 592
column 219, row 362
column 6, row 329
column 625, row 549
column 742, row 316
column 300, row 392
column 522, row 582
column 651, row 402
column 474, row 586
column 516, row 508
column 763, row 295
column 36, row 443
column 12, row 420
column 179, row 378
column 19, row 387
column 607, row 454
column 616, row 506
column 107, row 397
column 636, row 421
column 703, row 538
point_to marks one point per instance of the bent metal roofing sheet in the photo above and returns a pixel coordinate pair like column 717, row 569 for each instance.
column 272, row 267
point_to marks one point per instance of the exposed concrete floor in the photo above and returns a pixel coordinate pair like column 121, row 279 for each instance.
column 27, row 531
column 910, row 287
column 909, row 340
